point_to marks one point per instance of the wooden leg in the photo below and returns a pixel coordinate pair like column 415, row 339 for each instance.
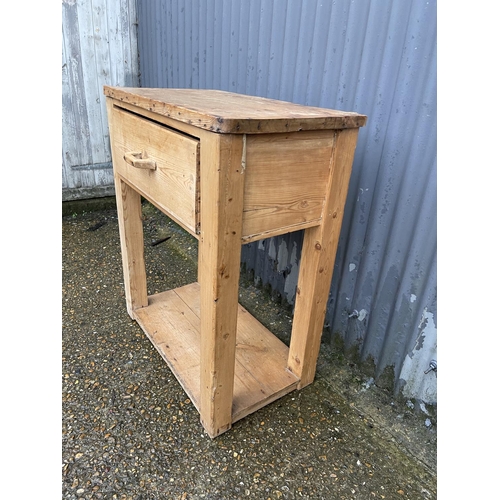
column 221, row 184
column 316, row 267
column 128, row 204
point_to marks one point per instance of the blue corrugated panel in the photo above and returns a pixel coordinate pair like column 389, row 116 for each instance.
column 376, row 58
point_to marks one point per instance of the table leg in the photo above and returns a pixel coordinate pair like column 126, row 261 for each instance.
column 316, row 267
column 221, row 185
column 128, row 204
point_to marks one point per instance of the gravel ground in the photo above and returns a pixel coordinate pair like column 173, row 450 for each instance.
column 130, row 432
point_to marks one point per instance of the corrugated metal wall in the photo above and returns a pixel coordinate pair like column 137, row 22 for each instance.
column 99, row 47
column 376, row 58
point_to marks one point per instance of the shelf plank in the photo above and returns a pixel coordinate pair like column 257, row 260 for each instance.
column 172, row 323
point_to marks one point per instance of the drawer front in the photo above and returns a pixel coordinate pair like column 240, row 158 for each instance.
column 167, row 173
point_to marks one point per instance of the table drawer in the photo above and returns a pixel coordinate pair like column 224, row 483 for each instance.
column 159, row 162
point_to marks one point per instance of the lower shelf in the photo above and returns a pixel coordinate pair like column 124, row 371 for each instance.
column 172, row 323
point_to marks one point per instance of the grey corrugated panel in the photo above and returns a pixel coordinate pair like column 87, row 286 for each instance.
column 376, row 58
column 392, row 240
column 275, row 262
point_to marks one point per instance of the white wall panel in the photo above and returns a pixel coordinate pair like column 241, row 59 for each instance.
column 99, row 47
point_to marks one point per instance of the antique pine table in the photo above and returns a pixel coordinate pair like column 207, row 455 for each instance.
column 230, row 169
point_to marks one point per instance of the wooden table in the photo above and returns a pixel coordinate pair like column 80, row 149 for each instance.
column 230, row 169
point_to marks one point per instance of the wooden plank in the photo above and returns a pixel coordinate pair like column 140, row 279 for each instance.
column 76, row 135
column 95, row 63
column 165, row 120
column 316, row 267
column 261, row 367
column 280, row 230
column 261, row 373
column 230, row 113
column 221, row 191
column 67, row 120
column 172, row 323
column 174, row 330
column 88, row 41
column 173, row 185
column 128, row 204
column 286, row 180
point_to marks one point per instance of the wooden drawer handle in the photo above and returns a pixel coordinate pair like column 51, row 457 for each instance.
column 139, row 160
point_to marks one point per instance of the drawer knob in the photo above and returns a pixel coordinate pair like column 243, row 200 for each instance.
column 139, row 160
